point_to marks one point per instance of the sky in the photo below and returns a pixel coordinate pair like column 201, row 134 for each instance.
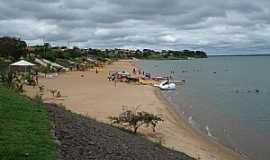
column 214, row 26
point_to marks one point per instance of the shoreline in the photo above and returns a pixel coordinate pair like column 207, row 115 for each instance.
column 85, row 95
column 196, row 131
column 180, row 121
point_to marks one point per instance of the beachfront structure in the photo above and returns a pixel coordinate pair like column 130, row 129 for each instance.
column 21, row 66
column 55, row 65
column 40, row 62
column 45, row 63
column 91, row 60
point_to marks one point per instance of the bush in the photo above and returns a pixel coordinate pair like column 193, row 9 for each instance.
column 29, row 79
column 135, row 119
column 46, row 69
column 53, row 91
column 12, row 81
column 38, row 99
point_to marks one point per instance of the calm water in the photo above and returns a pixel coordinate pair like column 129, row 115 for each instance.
column 226, row 97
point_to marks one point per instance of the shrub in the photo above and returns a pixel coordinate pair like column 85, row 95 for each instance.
column 58, row 94
column 53, row 91
column 29, row 79
column 38, row 99
column 41, row 89
column 135, row 119
column 46, row 69
column 12, row 81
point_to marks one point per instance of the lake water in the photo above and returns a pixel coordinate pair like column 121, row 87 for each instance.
column 227, row 97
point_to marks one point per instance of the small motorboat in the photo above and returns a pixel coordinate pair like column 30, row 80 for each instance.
column 166, row 85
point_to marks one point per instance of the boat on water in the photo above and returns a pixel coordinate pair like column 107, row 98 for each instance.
column 160, row 78
column 166, row 85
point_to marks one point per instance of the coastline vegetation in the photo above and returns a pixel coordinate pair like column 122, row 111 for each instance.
column 12, row 49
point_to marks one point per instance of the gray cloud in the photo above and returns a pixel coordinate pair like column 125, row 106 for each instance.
column 214, row 26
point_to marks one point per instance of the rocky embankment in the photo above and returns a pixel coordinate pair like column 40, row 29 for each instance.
column 82, row 138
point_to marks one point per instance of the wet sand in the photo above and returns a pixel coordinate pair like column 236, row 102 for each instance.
column 93, row 95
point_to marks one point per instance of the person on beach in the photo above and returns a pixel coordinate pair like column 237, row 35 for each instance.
column 134, row 70
column 36, row 79
column 109, row 77
column 32, row 82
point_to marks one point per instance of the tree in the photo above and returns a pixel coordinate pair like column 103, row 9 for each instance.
column 45, row 69
column 135, row 119
column 12, row 48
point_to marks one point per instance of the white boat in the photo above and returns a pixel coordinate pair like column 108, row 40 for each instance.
column 166, row 85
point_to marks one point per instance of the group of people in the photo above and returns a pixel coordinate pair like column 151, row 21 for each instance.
column 111, row 77
column 139, row 71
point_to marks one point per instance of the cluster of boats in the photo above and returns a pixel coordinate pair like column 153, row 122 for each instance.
column 162, row 82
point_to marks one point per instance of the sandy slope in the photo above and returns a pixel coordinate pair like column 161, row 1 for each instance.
column 93, row 95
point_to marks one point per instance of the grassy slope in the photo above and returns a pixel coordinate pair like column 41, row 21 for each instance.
column 24, row 129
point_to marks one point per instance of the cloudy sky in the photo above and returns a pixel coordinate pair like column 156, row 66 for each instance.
column 215, row 26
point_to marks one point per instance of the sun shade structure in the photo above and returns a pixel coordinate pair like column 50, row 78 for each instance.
column 22, row 66
column 22, row 63
column 55, row 65
column 40, row 62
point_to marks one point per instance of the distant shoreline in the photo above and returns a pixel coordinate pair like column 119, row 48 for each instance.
column 239, row 55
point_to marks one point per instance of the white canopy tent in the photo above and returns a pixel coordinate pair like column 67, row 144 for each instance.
column 22, row 64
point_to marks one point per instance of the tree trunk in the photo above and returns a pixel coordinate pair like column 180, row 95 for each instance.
column 135, row 129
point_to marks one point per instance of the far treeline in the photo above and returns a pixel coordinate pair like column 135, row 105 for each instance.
column 14, row 48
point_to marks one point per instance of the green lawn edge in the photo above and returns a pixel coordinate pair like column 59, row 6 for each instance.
column 25, row 129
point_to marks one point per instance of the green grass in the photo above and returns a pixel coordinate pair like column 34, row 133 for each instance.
column 24, row 129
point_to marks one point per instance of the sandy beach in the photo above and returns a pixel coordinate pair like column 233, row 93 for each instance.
column 93, row 95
